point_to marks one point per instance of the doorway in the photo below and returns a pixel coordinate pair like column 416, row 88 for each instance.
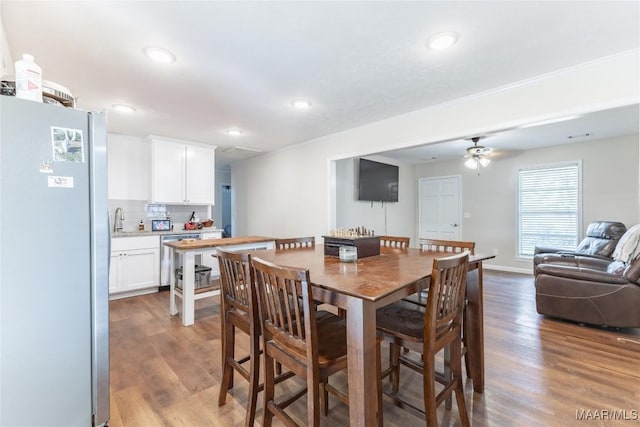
column 225, row 207
column 439, row 208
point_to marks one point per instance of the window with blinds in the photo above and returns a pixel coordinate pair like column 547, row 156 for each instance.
column 548, row 207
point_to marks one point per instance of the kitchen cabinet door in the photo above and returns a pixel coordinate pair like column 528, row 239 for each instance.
column 182, row 173
column 200, row 175
column 135, row 270
column 168, row 177
column 135, row 266
column 128, row 168
column 139, row 269
column 113, row 272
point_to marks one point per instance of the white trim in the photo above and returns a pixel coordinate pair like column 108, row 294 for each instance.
column 507, row 269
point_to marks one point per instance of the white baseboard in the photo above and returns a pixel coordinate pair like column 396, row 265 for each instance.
column 134, row 293
column 507, row 269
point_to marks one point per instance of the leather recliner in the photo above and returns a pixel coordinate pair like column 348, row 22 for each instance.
column 593, row 290
column 601, row 239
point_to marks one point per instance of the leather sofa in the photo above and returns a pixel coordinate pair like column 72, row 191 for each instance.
column 601, row 239
column 593, row 290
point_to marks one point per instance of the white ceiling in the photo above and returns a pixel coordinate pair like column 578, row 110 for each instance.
column 588, row 127
column 240, row 64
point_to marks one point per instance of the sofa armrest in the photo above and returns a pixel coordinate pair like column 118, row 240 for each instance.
column 546, row 250
column 572, row 261
column 581, row 273
column 632, row 273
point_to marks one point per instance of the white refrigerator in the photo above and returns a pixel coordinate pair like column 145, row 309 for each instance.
column 54, row 255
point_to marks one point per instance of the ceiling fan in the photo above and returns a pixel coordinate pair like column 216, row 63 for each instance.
column 477, row 155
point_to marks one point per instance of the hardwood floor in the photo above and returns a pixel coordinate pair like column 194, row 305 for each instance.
column 539, row 371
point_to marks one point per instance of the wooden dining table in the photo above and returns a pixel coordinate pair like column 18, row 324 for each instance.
column 361, row 287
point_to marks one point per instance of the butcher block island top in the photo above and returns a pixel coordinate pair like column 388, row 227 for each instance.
column 187, row 244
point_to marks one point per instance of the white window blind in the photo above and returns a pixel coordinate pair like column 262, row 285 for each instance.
column 549, row 203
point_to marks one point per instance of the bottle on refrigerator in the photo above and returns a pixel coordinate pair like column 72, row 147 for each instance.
column 28, row 79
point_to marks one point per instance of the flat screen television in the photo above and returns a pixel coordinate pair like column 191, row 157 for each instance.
column 377, row 182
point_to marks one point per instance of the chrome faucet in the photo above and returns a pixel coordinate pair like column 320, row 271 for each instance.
column 119, row 217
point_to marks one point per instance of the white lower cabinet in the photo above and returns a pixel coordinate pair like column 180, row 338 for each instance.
column 135, row 266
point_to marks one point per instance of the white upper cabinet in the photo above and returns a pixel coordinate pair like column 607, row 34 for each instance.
column 200, row 174
column 182, row 172
column 129, row 168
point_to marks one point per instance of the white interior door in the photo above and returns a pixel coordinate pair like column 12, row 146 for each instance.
column 439, row 208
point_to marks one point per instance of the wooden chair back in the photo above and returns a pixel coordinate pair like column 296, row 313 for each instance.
column 394, row 242
column 312, row 344
column 239, row 309
column 296, row 243
column 428, row 329
column 285, row 306
column 445, row 303
column 235, row 282
column 453, row 246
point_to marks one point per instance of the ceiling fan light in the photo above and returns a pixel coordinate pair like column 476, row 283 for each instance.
column 301, row 104
column 442, row 41
column 471, row 163
column 159, row 54
column 484, row 162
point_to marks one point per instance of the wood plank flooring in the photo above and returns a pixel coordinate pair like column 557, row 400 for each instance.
column 539, row 371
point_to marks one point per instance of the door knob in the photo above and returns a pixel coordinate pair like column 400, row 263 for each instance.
column 454, row 225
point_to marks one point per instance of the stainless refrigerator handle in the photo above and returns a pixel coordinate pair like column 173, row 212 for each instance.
column 109, row 241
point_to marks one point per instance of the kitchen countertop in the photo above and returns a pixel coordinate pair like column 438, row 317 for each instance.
column 136, row 233
column 211, row 243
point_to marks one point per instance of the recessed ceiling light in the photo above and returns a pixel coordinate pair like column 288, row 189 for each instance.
column 234, row 132
column 123, row 108
column 158, row 54
column 443, row 40
column 301, row 104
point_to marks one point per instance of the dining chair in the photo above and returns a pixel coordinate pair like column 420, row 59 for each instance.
column 427, row 330
column 394, row 242
column 312, row 344
column 239, row 309
column 295, row 243
column 452, row 246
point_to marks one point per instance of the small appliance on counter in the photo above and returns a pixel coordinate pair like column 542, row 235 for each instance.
column 160, row 224
column 192, row 226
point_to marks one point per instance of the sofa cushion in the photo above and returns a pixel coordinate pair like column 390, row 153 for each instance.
column 601, row 238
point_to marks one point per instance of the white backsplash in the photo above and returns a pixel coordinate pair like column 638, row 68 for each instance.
column 136, row 210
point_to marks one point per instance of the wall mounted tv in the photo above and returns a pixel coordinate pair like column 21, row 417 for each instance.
column 377, row 182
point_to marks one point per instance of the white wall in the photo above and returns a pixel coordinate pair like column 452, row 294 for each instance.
column 6, row 61
column 392, row 219
column 609, row 191
column 289, row 192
